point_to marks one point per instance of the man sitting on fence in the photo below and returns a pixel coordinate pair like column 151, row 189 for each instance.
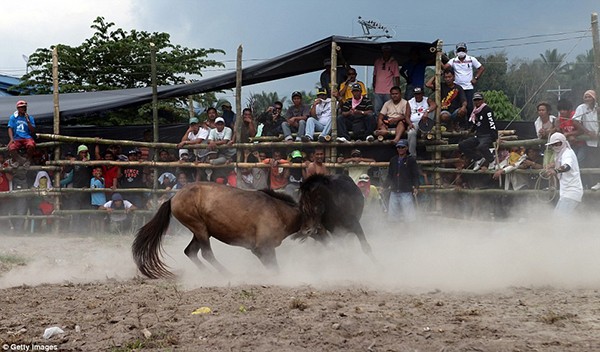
column 21, row 129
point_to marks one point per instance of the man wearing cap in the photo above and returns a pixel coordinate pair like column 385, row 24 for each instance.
column 419, row 109
column 369, row 191
column 345, row 92
column 403, row 182
column 21, row 129
column 393, row 115
column 228, row 114
column 195, row 134
column 272, row 120
column 386, row 74
column 320, row 117
column 360, row 164
column 463, row 66
column 295, row 118
column 477, row 148
column 325, row 77
column 357, row 116
column 566, row 168
column 121, row 221
column 221, row 135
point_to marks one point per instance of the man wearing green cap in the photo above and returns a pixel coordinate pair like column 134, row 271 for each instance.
column 195, row 134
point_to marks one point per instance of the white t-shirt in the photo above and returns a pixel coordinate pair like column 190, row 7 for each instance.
column 215, row 135
column 417, row 109
column 202, row 134
column 323, row 111
column 121, row 216
column 463, row 70
column 570, row 181
column 589, row 120
column 538, row 124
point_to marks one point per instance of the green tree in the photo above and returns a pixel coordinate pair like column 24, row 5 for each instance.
column 496, row 67
column 116, row 59
column 259, row 102
column 502, row 107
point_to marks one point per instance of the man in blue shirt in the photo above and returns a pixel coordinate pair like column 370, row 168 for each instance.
column 21, row 129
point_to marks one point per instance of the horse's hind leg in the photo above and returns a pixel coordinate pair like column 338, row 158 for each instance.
column 267, row 257
column 191, row 251
column 360, row 234
column 209, row 256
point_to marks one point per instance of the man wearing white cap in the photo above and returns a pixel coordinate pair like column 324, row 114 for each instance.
column 221, row 135
column 566, row 169
column 21, row 128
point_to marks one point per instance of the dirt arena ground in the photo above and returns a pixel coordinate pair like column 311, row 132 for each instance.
column 475, row 287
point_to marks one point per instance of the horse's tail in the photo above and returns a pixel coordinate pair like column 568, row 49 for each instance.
column 147, row 248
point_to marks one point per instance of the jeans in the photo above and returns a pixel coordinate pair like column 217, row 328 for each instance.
column 402, row 207
column 412, row 141
column 313, row 125
column 379, row 100
column 287, row 129
column 360, row 125
column 565, row 206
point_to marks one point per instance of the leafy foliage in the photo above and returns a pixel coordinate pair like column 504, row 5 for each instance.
column 115, row 59
column 502, row 107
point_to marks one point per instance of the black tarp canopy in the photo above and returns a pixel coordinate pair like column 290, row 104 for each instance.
column 300, row 61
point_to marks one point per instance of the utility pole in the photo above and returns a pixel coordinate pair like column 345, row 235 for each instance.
column 596, row 47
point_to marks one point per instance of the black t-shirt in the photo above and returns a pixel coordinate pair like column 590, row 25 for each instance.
column 132, row 177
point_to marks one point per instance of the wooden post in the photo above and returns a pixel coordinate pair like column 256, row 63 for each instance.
column 438, row 130
column 56, row 127
column 154, row 114
column 333, row 84
column 596, row 48
column 239, row 121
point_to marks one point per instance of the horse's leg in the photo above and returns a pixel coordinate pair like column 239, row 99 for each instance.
column 360, row 234
column 267, row 257
column 209, row 256
column 191, row 251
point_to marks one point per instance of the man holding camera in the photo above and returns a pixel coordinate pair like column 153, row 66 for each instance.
column 272, row 120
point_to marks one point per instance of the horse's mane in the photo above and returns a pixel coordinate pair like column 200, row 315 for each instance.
column 281, row 196
column 315, row 178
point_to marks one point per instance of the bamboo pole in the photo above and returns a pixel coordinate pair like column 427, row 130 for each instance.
column 154, row 110
column 56, row 124
column 596, row 47
column 239, row 121
column 437, row 177
column 518, row 143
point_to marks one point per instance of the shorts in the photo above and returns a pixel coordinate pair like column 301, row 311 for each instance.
column 26, row 143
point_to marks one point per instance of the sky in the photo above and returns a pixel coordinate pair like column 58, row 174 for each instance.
column 266, row 29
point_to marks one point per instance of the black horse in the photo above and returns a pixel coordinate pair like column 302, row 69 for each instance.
column 331, row 203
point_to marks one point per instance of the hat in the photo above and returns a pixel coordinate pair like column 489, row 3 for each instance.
column 402, row 143
column 226, row 103
column 327, row 62
column 133, row 151
column 296, row 94
column 21, row 103
column 556, row 137
column 418, row 90
column 194, row 120
column 82, row 148
column 117, row 196
column 355, row 152
column 183, row 151
column 386, row 47
column 296, row 154
column 122, row 157
column 356, row 86
column 69, row 154
column 364, row 178
column 477, row 96
column 219, row 119
column 321, row 91
column 461, row 46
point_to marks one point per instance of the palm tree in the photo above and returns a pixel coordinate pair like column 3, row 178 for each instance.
column 259, row 102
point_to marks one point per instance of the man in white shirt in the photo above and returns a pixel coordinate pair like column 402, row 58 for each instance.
column 566, row 168
column 221, row 135
column 196, row 134
column 419, row 109
column 320, row 117
column 586, row 117
column 463, row 66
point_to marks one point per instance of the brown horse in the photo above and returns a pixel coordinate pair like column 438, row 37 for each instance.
column 258, row 221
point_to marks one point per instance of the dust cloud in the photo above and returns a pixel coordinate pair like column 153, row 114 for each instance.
column 434, row 254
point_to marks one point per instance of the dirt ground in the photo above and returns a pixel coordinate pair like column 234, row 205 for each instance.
column 508, row 287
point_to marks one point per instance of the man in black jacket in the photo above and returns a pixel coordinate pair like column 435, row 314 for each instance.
column 477, row 148
column 403, row 182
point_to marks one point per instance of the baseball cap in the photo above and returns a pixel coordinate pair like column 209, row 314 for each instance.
column 21, row 103
column 226, row 103
column 296, row 94
column 82, row 148
column 356, row 86
column 402, row 143
column 117, row 196
column 132, row 151
column 477, row 96
column 296, row 154
column 418, row 90
column 355, row 152
column 461, row 46
column 194, row 120
column 219, row 119
column 321, row 91
column 556, row 137
column 364, row 178
column 183, row 151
